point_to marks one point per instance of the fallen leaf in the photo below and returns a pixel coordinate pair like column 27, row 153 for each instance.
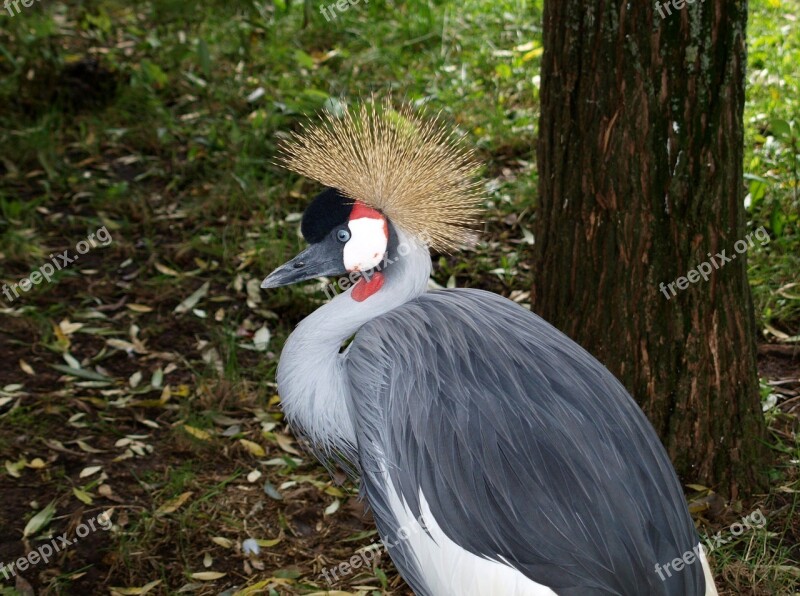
column 253, row 447
column 268, row 543
column 13, row 468
column 261, row 339
column 333, row 507
column 68, row 328
column 135, row 379
column 139, row 307
column 207, row 575
column 223, row 542
column 71, row 361
column 82, row 495
column 174, row 504
column 197, row 433
column 136, row 591
column 89, row 471
column 121, row 344
column 84, row 446
column 81, row 373
column 157, row 379
column 166, row 270
column 40, row 520
column 258, row 588
column 190, row 302
column 271, row 491
column 285, row 443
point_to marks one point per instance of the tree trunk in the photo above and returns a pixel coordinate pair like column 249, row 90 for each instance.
column 640, row 166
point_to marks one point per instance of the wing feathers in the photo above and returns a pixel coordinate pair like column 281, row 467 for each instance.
column 525, row 447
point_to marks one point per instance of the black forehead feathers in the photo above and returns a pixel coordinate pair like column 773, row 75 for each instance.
column 328, row 210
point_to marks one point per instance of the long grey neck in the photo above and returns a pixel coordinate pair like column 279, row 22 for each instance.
column 312, row 379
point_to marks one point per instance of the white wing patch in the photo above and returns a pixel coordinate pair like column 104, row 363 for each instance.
column 367, row 244
column 711, row 589
column 449, row 570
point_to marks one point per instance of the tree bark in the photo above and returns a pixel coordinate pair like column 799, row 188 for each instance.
column 640, row 167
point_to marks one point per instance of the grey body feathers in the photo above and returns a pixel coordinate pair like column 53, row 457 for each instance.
column 526, row 448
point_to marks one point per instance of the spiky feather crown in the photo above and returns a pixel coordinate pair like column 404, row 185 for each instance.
column 414, row 170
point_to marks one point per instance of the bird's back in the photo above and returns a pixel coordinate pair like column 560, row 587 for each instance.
column 523, row 447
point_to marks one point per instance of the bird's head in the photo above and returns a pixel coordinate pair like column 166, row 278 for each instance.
column 384, row 170
column 344, row 236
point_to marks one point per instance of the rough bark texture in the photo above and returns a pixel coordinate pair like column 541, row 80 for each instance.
column 640, row 162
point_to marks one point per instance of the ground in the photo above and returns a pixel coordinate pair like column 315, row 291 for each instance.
column 139, row 382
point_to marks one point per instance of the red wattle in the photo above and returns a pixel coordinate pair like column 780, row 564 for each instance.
column 364, row 289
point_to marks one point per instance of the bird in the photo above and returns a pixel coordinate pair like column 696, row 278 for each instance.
column 498, row 457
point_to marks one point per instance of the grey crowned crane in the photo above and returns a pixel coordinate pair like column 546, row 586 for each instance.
column 497, row 455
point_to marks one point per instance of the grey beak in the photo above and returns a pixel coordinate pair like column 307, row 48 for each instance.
column 318, row 260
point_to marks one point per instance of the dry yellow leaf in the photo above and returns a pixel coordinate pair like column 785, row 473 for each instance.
column 253, row 447
column 61, row 340
column 87, row 448
column 207, row 575
column 285, row 443
column 223, row 542
column 174, row 504
column 269, row 543
column 69, row 328
column 257, row 588
column 166, row 270
column 139, row 307
column 334, row 491
column 197, row 433
column 135, row 591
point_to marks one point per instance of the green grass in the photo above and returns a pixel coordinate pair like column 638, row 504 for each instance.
column 772, row 159
column 161, row 122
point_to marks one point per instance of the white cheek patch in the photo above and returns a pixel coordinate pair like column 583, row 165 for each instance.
column 367, row 244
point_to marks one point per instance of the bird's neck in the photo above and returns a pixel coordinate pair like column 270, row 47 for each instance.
column 312, row 378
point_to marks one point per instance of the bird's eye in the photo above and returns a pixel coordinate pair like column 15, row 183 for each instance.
column 343, row 235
